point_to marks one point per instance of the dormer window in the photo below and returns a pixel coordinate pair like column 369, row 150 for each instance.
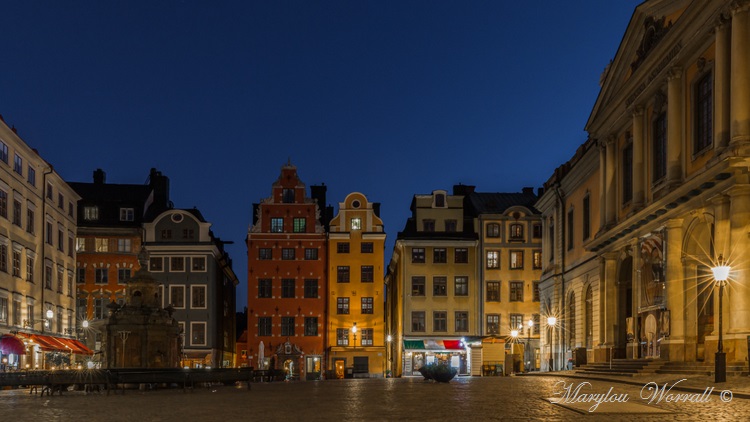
column 356, row 224
column 90, row 213
column 287, row 196
column 440, row 200
column 516, row 232
column 428, row 225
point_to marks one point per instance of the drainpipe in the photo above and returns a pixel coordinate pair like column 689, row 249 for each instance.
column 561, row 201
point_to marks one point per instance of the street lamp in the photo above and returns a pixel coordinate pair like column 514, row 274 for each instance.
column 721, row 274
column 513, row 339
column 354, row 333
column 530, row 323
column 389, row 356
column 552, row 322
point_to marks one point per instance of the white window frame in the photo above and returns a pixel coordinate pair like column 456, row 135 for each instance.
column 205, row 296
column 124, row 241
column 127, row 214
column 192, row 269
column 205, row 333
column 101, row 244
column 171, row 299
column 171, row 267
column 162, row 264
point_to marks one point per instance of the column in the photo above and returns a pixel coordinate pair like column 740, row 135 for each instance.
column 673, row 348
column 608, row 300
column 740, row 74
column 610, row 187
column 722, row 76
column 602, row 184
column 638, row 165
column 736, row 293
column 674, row 126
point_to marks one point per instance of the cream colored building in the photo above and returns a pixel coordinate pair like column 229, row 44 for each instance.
column 37, row 251
column 356, row 305
column 672, row 127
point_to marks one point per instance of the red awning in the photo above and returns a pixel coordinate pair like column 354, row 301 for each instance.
column 81, row 347
column 10, row 344
column 59, row 344
column 452, row 344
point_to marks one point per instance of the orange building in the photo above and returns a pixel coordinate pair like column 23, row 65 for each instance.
column 287, row 279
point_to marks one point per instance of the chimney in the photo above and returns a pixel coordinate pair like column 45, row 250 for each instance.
column 527, row 191
column 540, row 192
column 318, row 193
column 100, row 177
column 376, row 209
column 464, row 190
column 160, row 186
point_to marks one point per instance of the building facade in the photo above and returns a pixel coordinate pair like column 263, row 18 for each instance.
column 356, row 309
column 287, row 279
column 433, row 287
column 37, row 255
column 198, row 283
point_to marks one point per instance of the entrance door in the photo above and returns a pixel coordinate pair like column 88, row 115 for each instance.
column 339, row 366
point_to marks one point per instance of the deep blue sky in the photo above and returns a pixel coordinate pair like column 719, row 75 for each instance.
column 389, row 98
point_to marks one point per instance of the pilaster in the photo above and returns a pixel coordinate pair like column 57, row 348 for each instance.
column 740, row 73
column 674, row 126
column 638, row 163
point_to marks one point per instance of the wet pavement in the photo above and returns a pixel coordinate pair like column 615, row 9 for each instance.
column 410, row 399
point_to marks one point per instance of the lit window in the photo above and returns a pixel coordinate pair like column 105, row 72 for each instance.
column 277, row 225
column 516, row 260
column 102, row 244
column 356, row 224
column 90, row 213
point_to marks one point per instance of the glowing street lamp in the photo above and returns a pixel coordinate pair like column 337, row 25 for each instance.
column 552, row 323
column 354, row 333
column 514, row 338
column 721, row 274
column 530, row 323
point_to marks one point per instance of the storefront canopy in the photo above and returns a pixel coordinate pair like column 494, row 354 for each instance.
column 11, row 344
column 59, row 344
column 431, row 344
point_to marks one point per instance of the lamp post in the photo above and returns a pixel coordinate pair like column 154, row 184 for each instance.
column 513, row 339
column 530, row 323
column 552, row 322
column 388, row 356
column 721, row 274
column 354, row 333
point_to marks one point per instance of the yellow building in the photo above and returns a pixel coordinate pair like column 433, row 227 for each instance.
column 433, row 287
column 672, row 126
column 356, row 306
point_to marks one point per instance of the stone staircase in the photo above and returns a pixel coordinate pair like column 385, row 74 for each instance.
column 622, row 367
column 701, row 368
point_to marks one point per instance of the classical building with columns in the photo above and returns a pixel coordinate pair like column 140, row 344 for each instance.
column 672, row 126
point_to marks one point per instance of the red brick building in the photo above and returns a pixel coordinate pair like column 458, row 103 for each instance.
column 287, row 279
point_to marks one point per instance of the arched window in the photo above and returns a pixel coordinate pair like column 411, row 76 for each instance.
column 589, row 329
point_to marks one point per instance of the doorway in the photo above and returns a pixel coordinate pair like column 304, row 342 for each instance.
column 339, row 367
column 624, row 306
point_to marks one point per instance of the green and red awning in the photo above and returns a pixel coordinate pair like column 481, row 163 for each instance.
column 433, row 344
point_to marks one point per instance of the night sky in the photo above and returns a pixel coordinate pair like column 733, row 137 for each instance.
column 388, row 98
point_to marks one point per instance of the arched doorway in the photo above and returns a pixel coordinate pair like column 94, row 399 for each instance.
column 698, row 250
column 625, row 323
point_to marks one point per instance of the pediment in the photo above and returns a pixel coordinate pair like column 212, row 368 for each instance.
column 648, row 45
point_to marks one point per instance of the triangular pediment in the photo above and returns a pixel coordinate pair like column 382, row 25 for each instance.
column 646, row 41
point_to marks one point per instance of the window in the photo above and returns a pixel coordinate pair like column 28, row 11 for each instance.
column 417, row 286
column 440, row 321
column 287, row 326
column 60, row 201
column 703, row 97
column 356, row 223
column 439, row 286
column 17, row 313
column 537, row 323
column 50, row 191
column 461, row 287
column 342, row 247
column 367, row 305
column 264, row 326
column 342, row 336
column 342, row 274
column 516, row 260
column 493, row 291
column 156, row 264
column 80, row 244
column 71, row 245
column 101, row 245
column 123, row 275
column 198, row 297
column 17, row 216
column 102, row 275
column 60, row 279
column 81, row 275
column 18, row 164
column 177, row 263
column 516, row 232
column 439, row 200
column 461, row 256
column 199, row 263
column 493, row 230
column 287, row 254
column 439, row 256
column 90, row 213
column 265, row 254
column 49, row 234
column 586, row 217
column 311, row 254
column 3, row 204
column 166, row 234
column 493, row 259
column 659, row 148
column 342, row 305
column 462, row 321
column 300, row 225
column 277, row 225
column 451, row 226
column 417, row 321
column 536, row 231
column 367, row 337
column 3, row 152
column 311, row 289
column 124, row 245
column 4, row 310
column 366, row 247
column 71, row 288
column 29, row 267
column 493, row 324
column 516, row 321
column 417, row 255
column 30, row 219
column 31, row 175
column 264, row 288
column 70, row 208
column 188, row 234
column 287, row 287
column 311, row 326
column 287, row 196
column 571, row 229
column 627, row 173
column 17, row 263
column 551, row 242
column 177, row 296
column 368, row 274
column 3, row 258
column 428, row 225
column 536, row 259
column 127, row 214
column 516, row 291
